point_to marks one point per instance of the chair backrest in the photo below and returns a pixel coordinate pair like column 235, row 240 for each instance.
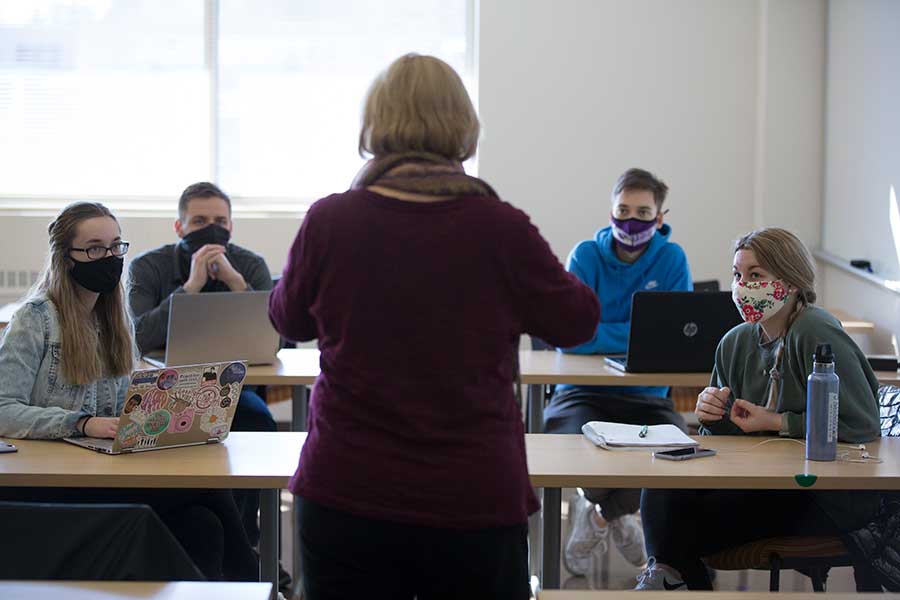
column 889, row 407
column 709, row 285
column 539, row 344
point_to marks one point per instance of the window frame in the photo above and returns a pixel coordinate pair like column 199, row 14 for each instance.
column 243, row 205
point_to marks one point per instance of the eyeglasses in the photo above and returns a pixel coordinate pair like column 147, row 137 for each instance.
column 98, row 252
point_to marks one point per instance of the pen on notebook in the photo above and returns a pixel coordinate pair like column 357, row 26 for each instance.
column 643, row 432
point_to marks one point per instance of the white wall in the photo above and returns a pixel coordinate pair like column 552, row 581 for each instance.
column 722, row 99
column 863, row 125
column 862, row 158
column 866, row 301
column 23, row 239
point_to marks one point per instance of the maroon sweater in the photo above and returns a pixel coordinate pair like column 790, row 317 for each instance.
column 418, row 308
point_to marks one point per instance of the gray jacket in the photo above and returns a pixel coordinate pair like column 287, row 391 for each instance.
column 157, row 274
column 35, row 400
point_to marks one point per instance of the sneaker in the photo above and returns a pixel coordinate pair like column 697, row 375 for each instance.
column 657, row 577
column 628, row 536
column 586, row 538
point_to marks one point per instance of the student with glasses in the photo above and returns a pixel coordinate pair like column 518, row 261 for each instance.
column 65, row 363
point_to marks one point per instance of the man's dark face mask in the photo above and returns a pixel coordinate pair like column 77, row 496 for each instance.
column 211, row 234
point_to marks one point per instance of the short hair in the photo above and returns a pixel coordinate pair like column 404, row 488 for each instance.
column 639, row 179
column 202, row 189
column 419, row 104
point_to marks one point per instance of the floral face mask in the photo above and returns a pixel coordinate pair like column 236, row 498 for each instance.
column 758, row 300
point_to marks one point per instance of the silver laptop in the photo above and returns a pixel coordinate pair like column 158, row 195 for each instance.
column 218, row 326
column 174, row 407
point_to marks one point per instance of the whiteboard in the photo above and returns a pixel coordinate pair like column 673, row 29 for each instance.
column 862, row 148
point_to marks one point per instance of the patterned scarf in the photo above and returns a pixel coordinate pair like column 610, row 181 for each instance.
column 420, row 173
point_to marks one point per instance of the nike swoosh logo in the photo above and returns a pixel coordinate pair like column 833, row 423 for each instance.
column 671, row 587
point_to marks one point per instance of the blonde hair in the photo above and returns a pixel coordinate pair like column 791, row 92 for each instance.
column 781, row 253
column 90, row 348
column 419, row 104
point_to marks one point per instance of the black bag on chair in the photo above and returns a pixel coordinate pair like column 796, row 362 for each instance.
column 112, row 542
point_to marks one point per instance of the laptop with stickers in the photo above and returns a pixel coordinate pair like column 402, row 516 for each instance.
column 174, row 407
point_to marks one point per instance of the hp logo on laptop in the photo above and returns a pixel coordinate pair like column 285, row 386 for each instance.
column 690, row 329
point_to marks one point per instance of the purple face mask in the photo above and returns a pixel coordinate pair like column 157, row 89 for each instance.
column 632, row 234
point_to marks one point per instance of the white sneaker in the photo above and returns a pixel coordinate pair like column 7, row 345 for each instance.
column 657, row 577
column 628, row 536
column 586, row 538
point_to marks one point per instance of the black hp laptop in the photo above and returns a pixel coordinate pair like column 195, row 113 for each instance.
column 676, row 332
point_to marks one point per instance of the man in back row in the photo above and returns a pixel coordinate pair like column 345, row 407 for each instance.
column 632, row 254
column 202, row 261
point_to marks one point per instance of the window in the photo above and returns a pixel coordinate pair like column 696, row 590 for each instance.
column 132, row 100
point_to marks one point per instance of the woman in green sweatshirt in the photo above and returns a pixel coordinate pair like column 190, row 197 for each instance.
column 758, row 386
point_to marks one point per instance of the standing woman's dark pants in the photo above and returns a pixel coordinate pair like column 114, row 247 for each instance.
column 345, row 556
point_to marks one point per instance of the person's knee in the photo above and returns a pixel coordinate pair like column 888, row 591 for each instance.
column 252, row 414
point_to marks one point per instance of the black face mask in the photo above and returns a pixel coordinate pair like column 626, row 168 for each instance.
column 211, row 234
column 100, row 276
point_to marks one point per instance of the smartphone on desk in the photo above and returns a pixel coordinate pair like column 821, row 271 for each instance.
column 684, row 453
column 4, row 447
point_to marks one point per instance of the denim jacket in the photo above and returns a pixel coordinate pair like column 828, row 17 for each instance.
column 35, row 400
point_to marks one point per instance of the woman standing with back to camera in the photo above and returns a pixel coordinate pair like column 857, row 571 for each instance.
column 417, row 283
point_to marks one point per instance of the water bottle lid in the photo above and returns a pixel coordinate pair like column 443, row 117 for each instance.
column 823, row 354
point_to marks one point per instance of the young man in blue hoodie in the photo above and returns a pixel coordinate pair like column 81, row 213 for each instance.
column 632, row 254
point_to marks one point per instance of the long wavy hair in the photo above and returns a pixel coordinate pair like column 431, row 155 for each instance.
column 93, row 344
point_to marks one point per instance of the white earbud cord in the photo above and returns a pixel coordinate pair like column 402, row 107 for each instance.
column 864, row 456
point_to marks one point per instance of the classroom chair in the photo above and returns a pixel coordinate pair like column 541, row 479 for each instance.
column 707, row 285
column 811, row 555
column 89, row 542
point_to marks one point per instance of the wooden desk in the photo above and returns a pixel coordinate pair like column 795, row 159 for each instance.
column 120, row 590
column 296, row 367
column 663, row 595
column 267, row 460
column 557, row 461
column 546, row 367
column 549, row 367
column 293, row 366
column 251, row 460
column 299, row 367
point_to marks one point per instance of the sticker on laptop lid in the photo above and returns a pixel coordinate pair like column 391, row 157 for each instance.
column 233, row 373
column 167, row 379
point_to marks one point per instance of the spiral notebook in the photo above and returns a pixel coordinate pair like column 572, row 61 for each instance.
column 621, row 436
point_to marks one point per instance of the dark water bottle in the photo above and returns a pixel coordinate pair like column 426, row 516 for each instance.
column 822, row 404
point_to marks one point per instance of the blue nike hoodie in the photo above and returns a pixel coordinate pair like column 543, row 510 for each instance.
column 663, row 266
